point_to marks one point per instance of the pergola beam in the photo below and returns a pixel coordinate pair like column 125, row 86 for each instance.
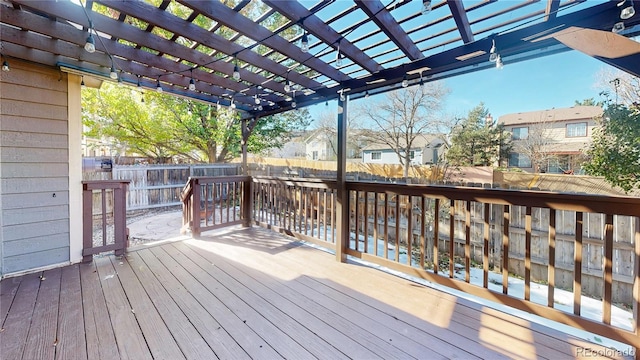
column 386, row 22
column 461, row 19
column 551, row 9
column 298, row 14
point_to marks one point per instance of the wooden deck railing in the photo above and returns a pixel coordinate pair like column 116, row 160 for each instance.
column 105, row 201
column 447, row 235
column 303, row 208
column 430, row 232
column 210, row 203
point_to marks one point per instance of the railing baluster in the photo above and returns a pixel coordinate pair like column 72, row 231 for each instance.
column 436, row 235
column 409, row 228
column 467, row 242
column 505, row 249
column 608, row 269
column 527, row 256
column 365, row 216
column 324, row 212
column 636, row 275
column 423, row 242
column 452, row 241
column 485, row 245
column 386, row 225
column 551, row 271
column 397, row 251
column 375, row 222
column 577, row 265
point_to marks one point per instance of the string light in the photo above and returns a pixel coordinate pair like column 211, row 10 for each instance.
column 499, row 64
column 366, row 94
column 304, row 44
column 158, row 86
column 5, row 66
column 405, row 82
column 82, row 82
column 339, row 56
column 426, row 7
column 236, row 71
column 493, row 53
column 113, row 74
column 628, row 12
column 192, row 83
column 90, row 44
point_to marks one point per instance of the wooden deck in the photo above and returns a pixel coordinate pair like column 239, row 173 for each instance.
column 249, row 293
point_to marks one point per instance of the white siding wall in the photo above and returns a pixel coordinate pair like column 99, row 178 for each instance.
column 34, row 168
column 389, row 157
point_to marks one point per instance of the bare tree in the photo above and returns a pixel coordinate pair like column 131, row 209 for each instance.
column 328, row 126
column 618, row 86
column 403, row 116
column 537, row 145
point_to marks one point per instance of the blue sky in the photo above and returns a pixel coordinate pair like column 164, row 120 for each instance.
column 549, row 82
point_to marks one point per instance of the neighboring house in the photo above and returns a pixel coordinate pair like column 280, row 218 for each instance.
column 293, row 149
column 555, row 138
column 426, row 149
column 322, row 144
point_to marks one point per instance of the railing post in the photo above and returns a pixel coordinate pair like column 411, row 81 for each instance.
column 87, row 220
column 195, row 209
column 120, row 217
column 247, row 200
column 342, row 205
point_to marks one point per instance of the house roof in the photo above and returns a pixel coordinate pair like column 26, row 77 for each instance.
column 551, row 115
column 175, row 43
column 420, row 142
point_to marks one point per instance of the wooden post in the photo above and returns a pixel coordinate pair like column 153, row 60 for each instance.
column 87, row 229
column 195, row 209
column 342, row 206
column 245, row 136
column 247, row 202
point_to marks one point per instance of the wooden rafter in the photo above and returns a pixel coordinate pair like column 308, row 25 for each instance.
column 385, row 21
column 297, row 13
column 460, row 16
column 551, row 9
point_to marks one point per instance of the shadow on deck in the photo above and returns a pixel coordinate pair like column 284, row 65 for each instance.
column 251, row 293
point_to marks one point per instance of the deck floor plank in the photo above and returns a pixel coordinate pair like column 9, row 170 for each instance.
column 70, row 332
column 101, row 341
column 191, row 343
column 8, row 290
column 16, row 326
column 368, row 333
column 131, row 342
column 251, row 293
column 310, row 320
column 280, row 311
column 218, row 339
column 254, row 315
column 156, row 334
column 243, row 334
column 42, row 340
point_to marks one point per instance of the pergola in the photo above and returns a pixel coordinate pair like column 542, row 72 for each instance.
column 228, row 53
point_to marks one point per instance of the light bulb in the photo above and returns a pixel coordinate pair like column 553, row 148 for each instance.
column 90, row 45
column 5, row 66
column 493, row 52
column 342, row 97
column 339, row 61
column 499, row 64
column 192, row 85
column 233, row 104
column 366, row 94
column 236, row 73
column 260, row 107
column 493, row 57
column 426, row 7
column 82, row 82
column 287, row 86
column 405, row 82
column 256, row 100
column 293, row 104
column 305, row 43
column 617, row 27
column 628, row 12
column 158, row 86
column 113, row 74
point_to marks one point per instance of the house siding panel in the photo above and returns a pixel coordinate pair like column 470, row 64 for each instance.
column 34, row 180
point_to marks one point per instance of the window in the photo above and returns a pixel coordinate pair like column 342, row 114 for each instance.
column 376, row 155
column 520, row 133
column 577, row 130
column 412, row 154
column 315, row 155
column 519, row 160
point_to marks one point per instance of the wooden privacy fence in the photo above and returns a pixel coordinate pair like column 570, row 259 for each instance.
column 109, row 232
column 210, row 203
column 153, row 186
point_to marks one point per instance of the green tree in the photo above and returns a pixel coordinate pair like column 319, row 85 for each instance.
column 477, row 141
column 589, row 102
column 164, row 126
column 615, row 149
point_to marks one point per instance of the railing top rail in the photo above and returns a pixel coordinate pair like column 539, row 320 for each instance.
column 218, row 179
column 308, row 182
column 619, row 205
column 104, row 184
